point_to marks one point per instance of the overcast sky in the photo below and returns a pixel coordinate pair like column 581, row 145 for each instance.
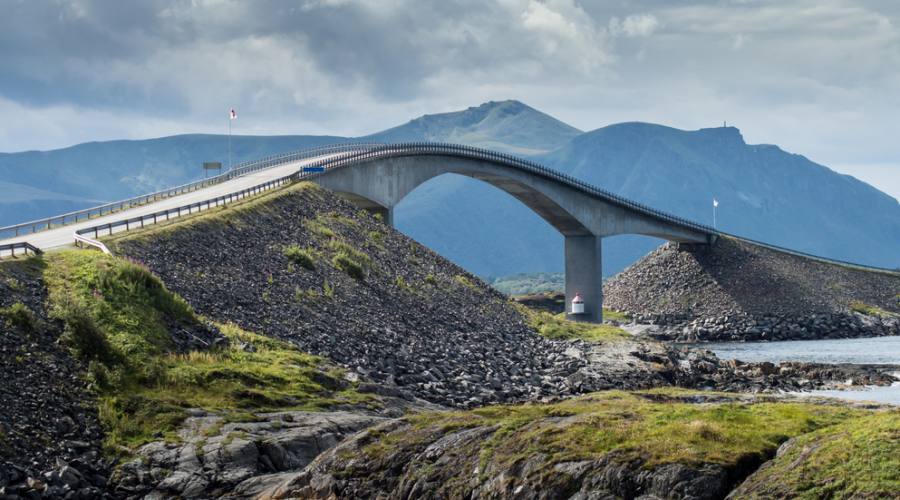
column 819, row 77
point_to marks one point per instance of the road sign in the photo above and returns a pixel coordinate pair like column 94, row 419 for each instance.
column 313, row 169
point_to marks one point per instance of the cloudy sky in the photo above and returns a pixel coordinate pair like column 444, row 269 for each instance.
column 817, row 77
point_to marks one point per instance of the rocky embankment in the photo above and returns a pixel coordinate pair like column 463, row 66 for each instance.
column 736, row 291
column 50, row 435
column 408, row 318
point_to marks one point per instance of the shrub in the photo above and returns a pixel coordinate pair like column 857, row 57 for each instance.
column 300, row 256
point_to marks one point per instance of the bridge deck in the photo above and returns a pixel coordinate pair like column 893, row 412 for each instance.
column 62, row 236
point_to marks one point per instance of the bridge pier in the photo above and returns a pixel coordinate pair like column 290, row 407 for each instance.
column 584, row 275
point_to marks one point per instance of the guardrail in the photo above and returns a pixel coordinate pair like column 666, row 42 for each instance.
column 172, row 213
column 244, row 168
column 9, row 249
column 373, row 152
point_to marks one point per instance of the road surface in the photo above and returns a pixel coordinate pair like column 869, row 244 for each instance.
column 62, row 236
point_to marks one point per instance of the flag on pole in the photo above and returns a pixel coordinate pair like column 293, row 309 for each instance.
column 233, row 115
column 715, row 202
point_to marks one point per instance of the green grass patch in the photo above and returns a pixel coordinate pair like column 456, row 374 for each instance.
column 654, row 427
column 319, row 229
column 466, row 282
column 349, row 259
column 556, row 326
column 118, row 317
column 304, row 257
column 859, row 458
column 610, row 315
column 869, row 310
column 18, row 315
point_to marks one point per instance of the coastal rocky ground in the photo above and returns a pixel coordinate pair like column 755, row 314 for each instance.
column 735, row 291
column 402, row 338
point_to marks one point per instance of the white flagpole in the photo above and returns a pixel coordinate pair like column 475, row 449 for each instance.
column 229, row 140
column 715, row 205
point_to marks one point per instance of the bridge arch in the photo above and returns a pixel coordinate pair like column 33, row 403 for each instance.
column 379, row 179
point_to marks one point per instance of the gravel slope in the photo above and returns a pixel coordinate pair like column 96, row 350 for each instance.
column 50, row 435
column 413, row 319
column 739, row 291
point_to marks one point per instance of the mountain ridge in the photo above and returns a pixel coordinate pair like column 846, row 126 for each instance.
column 765, row 193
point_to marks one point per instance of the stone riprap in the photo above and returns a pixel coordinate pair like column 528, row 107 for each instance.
column 411, row 319
column 50, row 436
column 736, row 291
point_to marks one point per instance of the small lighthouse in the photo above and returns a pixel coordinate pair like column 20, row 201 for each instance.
column 577, row 304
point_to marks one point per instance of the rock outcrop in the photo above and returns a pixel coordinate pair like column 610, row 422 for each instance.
column 651, row 445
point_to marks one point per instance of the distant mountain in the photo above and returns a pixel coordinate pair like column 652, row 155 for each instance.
column 765, row 193
column 505, row 126
column 62, row 180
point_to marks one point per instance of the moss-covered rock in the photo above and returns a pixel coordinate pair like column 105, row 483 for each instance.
column 667, row 443
column 858, row 458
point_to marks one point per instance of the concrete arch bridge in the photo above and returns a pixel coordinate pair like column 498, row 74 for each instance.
column 377, row 179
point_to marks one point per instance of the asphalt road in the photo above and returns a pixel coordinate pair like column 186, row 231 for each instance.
column 62, row 236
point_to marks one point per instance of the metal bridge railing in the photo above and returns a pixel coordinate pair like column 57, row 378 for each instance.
column 240, row 169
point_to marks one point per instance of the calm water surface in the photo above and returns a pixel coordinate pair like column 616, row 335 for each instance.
column 881, row 350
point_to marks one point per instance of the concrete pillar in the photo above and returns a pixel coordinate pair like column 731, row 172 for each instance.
column 584, row 275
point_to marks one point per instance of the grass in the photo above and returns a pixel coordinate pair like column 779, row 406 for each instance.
column 118, row 316
column 466, row 282
column 19, row 316
column 304, row 257
column 859, row 458
column 556, row 326
column 657, row 427
column 869, row 310
column 349, row 259
column 610, row 315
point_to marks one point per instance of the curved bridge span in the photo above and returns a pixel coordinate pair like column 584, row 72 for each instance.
column 379, row 178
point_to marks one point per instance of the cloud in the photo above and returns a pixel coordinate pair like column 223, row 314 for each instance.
column 816, row 76
column 638, row 25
